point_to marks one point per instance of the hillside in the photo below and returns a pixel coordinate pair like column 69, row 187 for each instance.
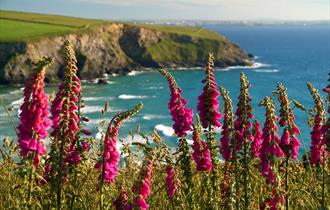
column 104, row 46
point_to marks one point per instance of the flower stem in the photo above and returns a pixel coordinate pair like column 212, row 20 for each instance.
column 236, row 175
column 60, row 175
column 287, row 182
column 29, row 196
column 245, row 175
column 323, row 182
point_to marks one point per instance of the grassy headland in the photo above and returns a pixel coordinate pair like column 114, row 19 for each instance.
column 106, row 46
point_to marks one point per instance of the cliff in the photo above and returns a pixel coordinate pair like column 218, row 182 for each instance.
column 111, row 47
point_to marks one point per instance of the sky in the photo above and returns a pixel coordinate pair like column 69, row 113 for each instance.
column 178, row 9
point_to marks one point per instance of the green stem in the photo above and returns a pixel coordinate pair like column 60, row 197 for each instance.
column 236, row 176
column 29, row 196
column 60, row 175
column 245, row 176
column 287, row 182
column 102, row 177
column 323, row 182
column 75, row 186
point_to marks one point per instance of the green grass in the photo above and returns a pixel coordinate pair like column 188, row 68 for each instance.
column 23, row 26
column 20, row 31
column 48, row 19
column 184, row 30
column 169, row 50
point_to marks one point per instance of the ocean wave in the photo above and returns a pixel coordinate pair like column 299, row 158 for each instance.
column 134, row 73
column 96, row 81
column 255, row 65
column 189, row 68
column 190, row 142
column 98, row 98
column 153, row 117
column 154, row 88
column 165, row 130
column 92, row 109
column 136, row 138
column 16, row 91
column 93, row 122
column 266, row 70
column 126, row 97
column 217, row 129
column 17, row 103
column 98, row 136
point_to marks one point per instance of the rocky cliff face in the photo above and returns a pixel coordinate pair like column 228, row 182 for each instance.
column 116, row 48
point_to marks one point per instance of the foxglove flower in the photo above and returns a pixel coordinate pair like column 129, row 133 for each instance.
column 141, row 187
column 317, row 147
column 228, row 140
column 111, row 156
column 33, row 126
column 64, row 110
column 207, row 102
column 201, row 153
column 270, row 149
column 289, row 142
column 181, row 116
column 170, row 183
column 243, row 113
column 257, row 139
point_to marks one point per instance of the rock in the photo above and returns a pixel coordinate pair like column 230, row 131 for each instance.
column 102, row 81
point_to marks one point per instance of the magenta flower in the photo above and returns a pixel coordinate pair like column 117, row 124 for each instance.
column 228, row 140
column 243, row 113
column 317, row 136
column 257, row 139
column 270, row 148
column 201, row 153
column 171, row 188
column 33, row 126
column 142, row 186
column 208, row 104
column 111, row 156
column 181, row 116
column 289, row 142
column 318, row 133
column 64, row 110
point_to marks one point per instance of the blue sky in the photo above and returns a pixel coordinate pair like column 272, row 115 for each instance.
column 179, row 9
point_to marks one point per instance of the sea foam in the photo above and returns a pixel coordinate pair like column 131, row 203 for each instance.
column 126, row 97
column 165, row 130
column 266, row 70
column 153, row 117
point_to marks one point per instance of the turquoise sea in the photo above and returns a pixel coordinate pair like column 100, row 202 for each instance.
column 291, row 54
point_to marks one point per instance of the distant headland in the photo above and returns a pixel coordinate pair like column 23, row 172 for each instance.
column 106, row 47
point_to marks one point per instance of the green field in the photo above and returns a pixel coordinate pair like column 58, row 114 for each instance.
column 48, row 19
column 12, row 30
column 23, row 26
column 184, row 30
column 20, row 26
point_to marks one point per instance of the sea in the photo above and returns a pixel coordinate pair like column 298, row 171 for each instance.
column 290, row 54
